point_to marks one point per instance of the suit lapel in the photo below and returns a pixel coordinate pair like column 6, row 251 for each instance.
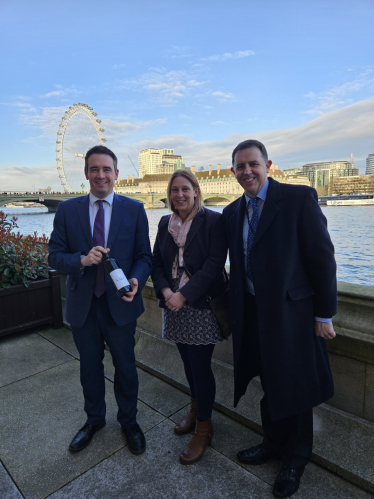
column 83, row 212
column 195, row 226
column 269, row 211
column 118, row 212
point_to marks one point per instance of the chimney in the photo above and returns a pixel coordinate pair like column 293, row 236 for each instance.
column 276, row 167
column 228, row 167
column 133, row 179
column 128, row 179
column 210, row 170
column 218, row 169
column 193, row 169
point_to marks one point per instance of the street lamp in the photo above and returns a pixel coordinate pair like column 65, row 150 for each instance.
column 82, row 186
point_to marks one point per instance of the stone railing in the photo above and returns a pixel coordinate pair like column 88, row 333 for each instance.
column 351, row 352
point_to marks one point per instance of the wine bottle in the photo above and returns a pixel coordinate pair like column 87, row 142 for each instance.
column 117, row 276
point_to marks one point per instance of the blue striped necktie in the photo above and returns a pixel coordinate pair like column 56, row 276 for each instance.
column 251, row 232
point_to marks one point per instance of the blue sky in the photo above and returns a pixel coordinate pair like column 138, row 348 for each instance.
column 194, row 76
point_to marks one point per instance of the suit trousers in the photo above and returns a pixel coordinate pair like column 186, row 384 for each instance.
column 291, row 437
column 89, row 339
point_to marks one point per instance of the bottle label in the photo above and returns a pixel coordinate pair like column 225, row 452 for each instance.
column 119, row 278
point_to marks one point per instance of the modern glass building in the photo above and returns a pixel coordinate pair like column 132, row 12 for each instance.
column 320, row 173
column 370, row 165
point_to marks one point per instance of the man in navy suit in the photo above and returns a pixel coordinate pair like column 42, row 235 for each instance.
column 85, row 228
column 282, row 296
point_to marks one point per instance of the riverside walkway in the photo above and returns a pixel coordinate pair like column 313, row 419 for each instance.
column 41, row 408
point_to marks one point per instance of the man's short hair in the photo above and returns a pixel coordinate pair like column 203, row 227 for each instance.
column 247, row 144
column 100, row 150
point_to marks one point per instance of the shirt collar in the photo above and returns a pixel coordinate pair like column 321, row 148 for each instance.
column 261, row 194
column 108, row 199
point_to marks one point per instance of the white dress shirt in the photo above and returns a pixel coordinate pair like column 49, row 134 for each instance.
column 248, row 286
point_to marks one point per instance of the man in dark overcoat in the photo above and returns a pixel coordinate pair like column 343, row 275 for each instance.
column 283, row 294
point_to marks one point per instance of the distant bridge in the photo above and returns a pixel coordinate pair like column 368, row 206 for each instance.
column 149, row 200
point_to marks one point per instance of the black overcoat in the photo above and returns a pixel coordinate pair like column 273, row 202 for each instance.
column 294, row 276
column 205, row 254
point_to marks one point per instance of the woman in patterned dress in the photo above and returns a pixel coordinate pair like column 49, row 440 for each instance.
column 188, row 261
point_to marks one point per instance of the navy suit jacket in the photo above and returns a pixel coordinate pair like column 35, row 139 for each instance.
column 129, row 244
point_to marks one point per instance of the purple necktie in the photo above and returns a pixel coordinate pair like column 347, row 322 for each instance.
column 99, row 240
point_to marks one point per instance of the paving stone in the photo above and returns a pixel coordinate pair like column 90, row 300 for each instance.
column 158, row 474
column 62, row 338
column 8, row 490
column 345, row 444
column 26, row 354
column 161, row 396
column 38, row 418
column 162, row 358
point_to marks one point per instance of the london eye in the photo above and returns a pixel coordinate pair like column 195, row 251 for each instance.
column 79, row 130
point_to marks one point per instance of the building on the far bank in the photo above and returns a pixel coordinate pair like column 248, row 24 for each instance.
column 321, row 173
column 356, row 184
column 218, row 181
column 370, row 165
column 159, row 161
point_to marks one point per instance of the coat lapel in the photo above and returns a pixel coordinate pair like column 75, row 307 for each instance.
column 269, row 211
column 117, row 217
column 84, row 218
column 236, row 230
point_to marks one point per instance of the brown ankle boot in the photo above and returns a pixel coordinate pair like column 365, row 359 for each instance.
column 202, row 437
column 188, row 423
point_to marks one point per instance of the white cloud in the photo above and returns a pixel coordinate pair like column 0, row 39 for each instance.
column 177, row 52
column 334, row 135
column 194, row 83
column 224, row 57
column 119, row 66
column 61, row 91
column 24, row 178
column 167, row 86
column 341, row 95
column 55, row 93
column 222, row 96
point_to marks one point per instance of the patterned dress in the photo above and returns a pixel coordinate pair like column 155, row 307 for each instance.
column 189, row 325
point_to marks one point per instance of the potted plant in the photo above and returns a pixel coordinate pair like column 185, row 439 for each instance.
column 29, row 291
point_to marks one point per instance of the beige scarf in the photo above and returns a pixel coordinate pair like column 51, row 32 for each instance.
column 179, row 231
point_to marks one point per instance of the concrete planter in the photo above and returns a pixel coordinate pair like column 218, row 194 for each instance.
column 22, row 308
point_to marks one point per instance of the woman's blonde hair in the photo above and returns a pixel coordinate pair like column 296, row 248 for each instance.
column 198, row 205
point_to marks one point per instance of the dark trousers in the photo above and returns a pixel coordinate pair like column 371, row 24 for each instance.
column 89, row 339
column 199, row 374
column 291, row 437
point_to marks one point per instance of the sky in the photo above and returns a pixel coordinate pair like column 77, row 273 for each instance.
column 198, row 77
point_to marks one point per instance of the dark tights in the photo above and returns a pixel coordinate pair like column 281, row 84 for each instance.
column 196, row 360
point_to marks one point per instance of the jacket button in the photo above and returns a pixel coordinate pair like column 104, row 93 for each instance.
column 187, row 254
column 236, row 291
column 234, row 321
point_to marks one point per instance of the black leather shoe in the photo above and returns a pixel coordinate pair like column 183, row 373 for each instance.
column 84, row 436
column 287, row 481
column 135, row 438
column 256, row 455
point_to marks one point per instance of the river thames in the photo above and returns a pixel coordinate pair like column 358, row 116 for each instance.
column 351, row 229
